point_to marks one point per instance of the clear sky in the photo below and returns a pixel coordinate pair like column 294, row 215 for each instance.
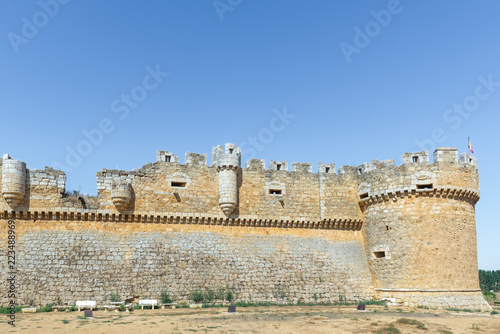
column 86, row 85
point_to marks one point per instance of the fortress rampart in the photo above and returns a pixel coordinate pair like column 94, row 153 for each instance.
column 402, row 233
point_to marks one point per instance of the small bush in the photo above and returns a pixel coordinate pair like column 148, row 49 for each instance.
column 114, row 297
column 6, row 310
column 196, row 296
column 165, row 298
column 229, row 296
column 73, row 308
column 220, row 293
column 209, row 296
column 83, row 316
column 494, row 312
column 65, row 321
column 488, row 295
column 46, row 308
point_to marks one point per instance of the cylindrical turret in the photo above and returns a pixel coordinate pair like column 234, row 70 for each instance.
column 121, row 194
column 228, row 165
column 420, row 231
column 13, row 180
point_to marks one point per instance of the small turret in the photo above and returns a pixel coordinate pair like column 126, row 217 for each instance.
column 13, row 180
column 228, row 166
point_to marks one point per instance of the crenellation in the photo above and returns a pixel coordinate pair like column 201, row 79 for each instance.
column 326, row 168
column 256, row 164
column 196, row 159
column 371, row 231
column 468, row 160
column 166, row 156
column 416, row 158
column 302, row 167
column 278, row 165
column 446, row 154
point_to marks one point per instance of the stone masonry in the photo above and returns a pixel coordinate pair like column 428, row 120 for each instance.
column 405, row 233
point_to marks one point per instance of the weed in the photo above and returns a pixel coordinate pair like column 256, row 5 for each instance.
column 374, row 324
column 388, row 330
column 459, row 310
column 494, row 312
column 443, row 331
column 65, row 321
column 81, row 316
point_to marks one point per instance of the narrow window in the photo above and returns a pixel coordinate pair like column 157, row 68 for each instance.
column 275, row 191
column 415, row 159
column 470, row 160
column 360, row 171
column 178, row 184
column 278, row 167
column 230, row 151
column 167, row 158
column 327, row 170
column 379, row 255
column 424, row 186
column 387, row 227
column 362, row 196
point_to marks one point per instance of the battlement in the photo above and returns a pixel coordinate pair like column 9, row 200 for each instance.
column 372, row 231
column 167, row 186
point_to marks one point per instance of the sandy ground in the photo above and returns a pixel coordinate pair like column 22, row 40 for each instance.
column 273, row 319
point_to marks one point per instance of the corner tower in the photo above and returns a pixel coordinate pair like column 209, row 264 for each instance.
column 420, row 230
column 228, row 165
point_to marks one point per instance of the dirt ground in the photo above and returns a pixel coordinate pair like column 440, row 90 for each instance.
column 272, row 319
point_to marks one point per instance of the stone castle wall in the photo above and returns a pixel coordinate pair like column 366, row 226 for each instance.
column 373, row 231
column 64, row 261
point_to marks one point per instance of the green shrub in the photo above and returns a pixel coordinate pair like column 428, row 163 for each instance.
column 220, row 293
column 489, row 294
column 494, row 312
column 165, row 298
column 6, row 310
column 209, row 296
column 196, row 296
column 114, row 297
column 65, row 321
column 229, row 296
column 46, row 308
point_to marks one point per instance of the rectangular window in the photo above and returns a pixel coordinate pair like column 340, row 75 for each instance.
column 167, row 158
column 415, row 159
column 424, row 186
column 178, row 184
column 379, row 255
column 278, row 167
column 327, row 170
column 275, row 191
column 362, row 196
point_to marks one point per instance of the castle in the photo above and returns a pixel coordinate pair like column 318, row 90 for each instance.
column 405, row 234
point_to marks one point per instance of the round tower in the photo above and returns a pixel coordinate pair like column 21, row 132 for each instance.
column 228, row 165
column 420, row 230
column 13, row 180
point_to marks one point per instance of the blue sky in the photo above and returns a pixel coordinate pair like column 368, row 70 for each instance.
column 358, row 80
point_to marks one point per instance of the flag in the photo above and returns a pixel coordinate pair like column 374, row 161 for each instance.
column 470, row 147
